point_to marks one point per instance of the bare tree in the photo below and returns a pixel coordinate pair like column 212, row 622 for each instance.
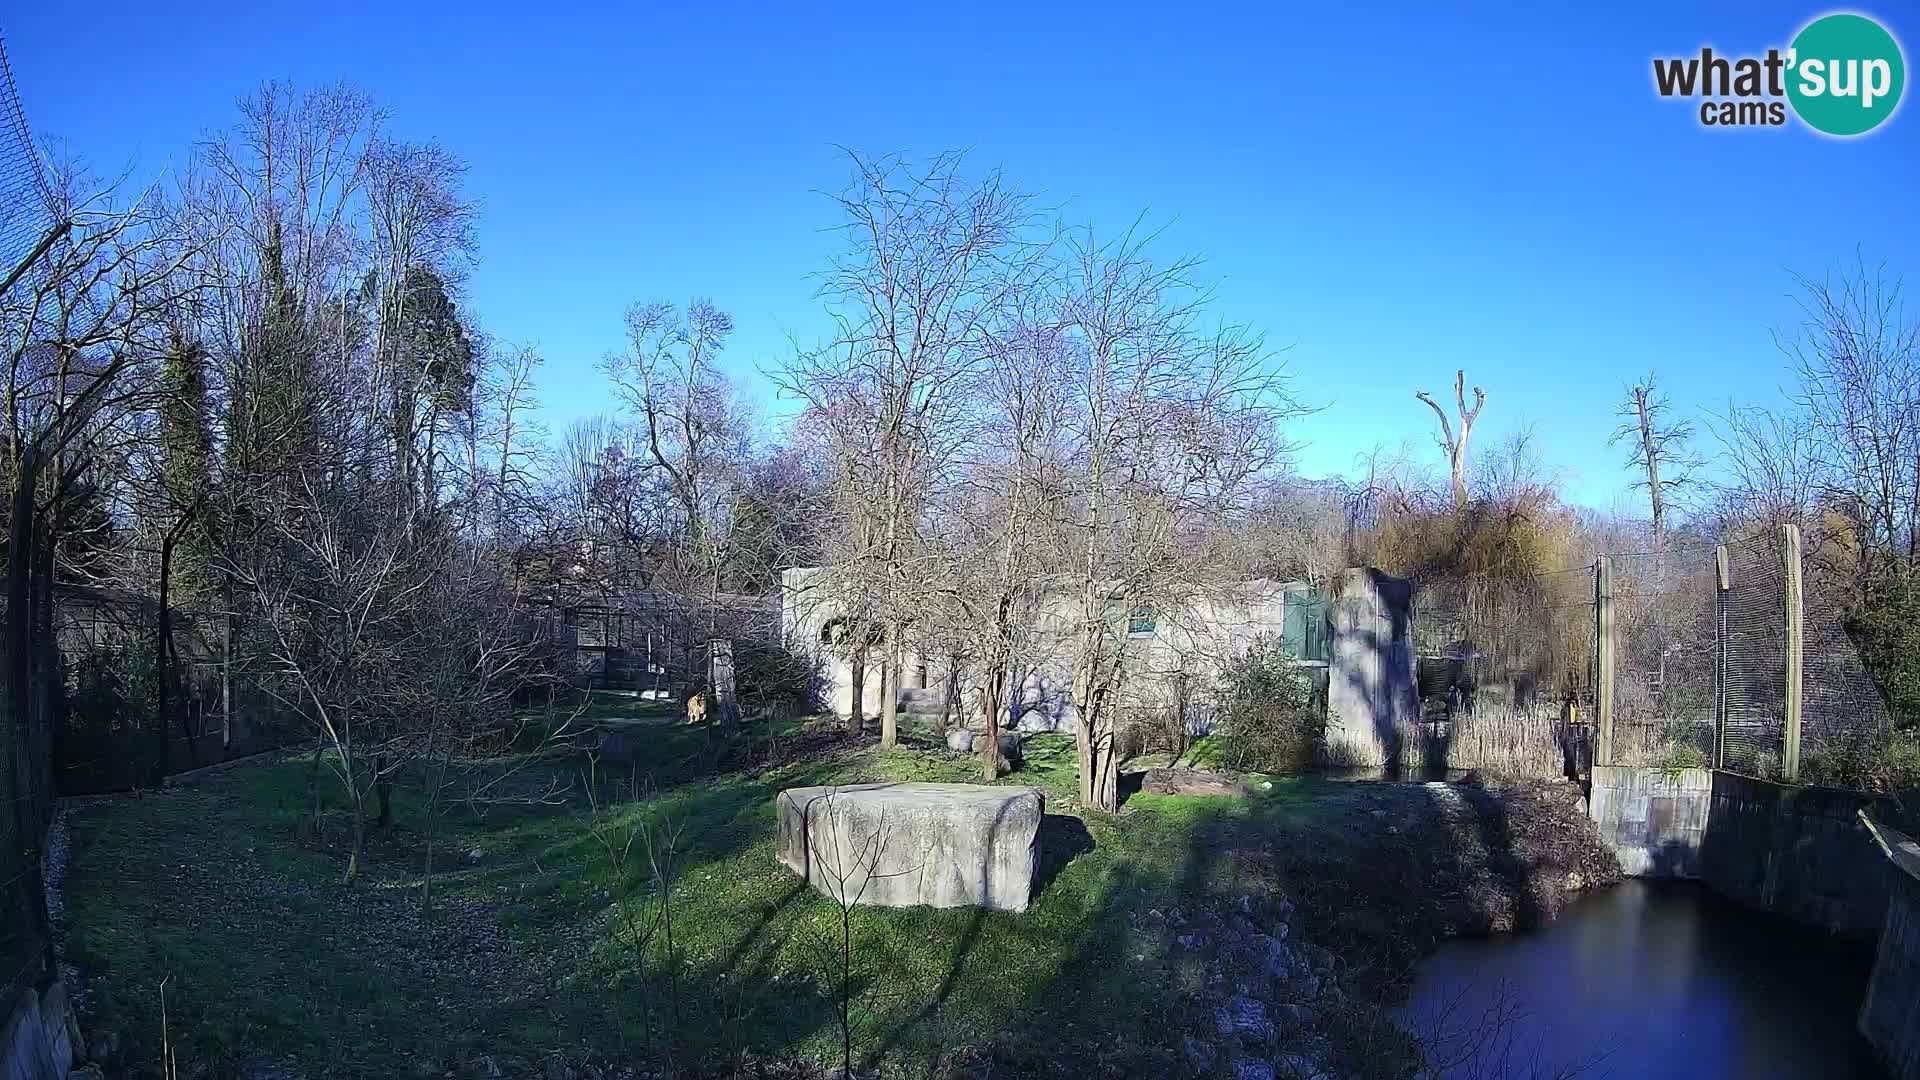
column 690, row 427
column 996, row 524
column 931, row 259
column 1453, row 444
column 1170, row 425
column 1660, row 447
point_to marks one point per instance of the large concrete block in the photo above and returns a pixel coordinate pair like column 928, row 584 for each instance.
column 1655, row 820
column 901, row 845
column 1372, row 695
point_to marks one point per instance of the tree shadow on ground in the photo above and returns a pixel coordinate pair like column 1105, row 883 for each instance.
column 1061, row 840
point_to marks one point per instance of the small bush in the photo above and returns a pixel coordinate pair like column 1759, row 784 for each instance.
column 1901, row 766
column 1886, row 628
column 771, row 676
column 1679, row 758
column 1265, row 718
column 109, row 732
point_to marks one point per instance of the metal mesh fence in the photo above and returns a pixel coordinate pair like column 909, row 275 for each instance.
column 1666, row 655
column 25, row 198
column 1844, row 722
column 29, row 674
column 1502, row 663
column 1754, row 631
column 111, row 737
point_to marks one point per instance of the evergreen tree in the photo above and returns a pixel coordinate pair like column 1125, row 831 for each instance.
column 186, row 449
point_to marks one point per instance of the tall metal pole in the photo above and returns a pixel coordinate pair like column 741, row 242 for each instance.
column 1603, row 657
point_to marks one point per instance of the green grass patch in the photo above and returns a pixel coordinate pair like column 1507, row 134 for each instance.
column 223, row 889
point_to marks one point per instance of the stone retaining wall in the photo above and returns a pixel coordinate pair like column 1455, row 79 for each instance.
column 40, row 1037
column 1890, row 1016
column 1653, row 819
column 1800, row 852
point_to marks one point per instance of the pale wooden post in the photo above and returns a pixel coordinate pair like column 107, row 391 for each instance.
column 1724, row 582
column 1603, row 658
column 1790, row 559
column 226, row 674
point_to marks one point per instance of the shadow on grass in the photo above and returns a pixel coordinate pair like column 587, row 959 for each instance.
column 1085, row 983
column 1061, row 840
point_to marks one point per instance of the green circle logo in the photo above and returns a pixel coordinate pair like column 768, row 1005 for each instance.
column 1845, row 74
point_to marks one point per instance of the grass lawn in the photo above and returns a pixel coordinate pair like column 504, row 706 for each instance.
column 221, row 889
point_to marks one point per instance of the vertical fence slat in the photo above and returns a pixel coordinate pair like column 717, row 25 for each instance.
column 1603, row 657
column 1722, row 582
column 1790, row 560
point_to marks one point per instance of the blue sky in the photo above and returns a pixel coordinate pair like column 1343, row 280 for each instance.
column 1390, row 192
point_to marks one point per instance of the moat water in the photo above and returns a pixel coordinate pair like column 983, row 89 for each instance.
column 1648, row 980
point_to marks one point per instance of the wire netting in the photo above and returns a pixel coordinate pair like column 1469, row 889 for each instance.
column 1844, row 722
column 111, row 736
column 1666, row 655
column 25, row 198
column 28, row 673
column 1502, row 661
column 1753, row 625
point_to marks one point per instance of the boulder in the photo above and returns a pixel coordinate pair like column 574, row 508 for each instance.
column 1183, row 781
column 960, row 739
column 1009, row 749
column 903, row 845
column 1245, row 1016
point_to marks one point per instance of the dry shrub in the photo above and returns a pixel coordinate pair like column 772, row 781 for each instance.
column 1521, row 741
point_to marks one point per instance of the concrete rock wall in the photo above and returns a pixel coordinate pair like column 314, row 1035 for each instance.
column 1800, row 852
column 1890, row 1016
column 1371, row 690
column 1654, row 820
column 1184, row 650
column 40, row 1036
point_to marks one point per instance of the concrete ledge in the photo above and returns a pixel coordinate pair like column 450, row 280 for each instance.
column 39, row 1037
column 1800, row 852
column 1655, row 820
column 903, row 845
column 1890, row 1015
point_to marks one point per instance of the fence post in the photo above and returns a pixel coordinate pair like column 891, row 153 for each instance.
column 1790, row 558
column 1603, row 658
column 226, row 671
column 1720, row 657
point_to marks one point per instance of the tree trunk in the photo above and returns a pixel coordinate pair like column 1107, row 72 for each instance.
column 313, row 777
column 990, row 703
column 226, row 669
column 1083, row 731
column 890, row 692
column 20, row 550
column 857, row 694
column 950, row 701
column 383, row 788
column 433, row 819
column 359, row 841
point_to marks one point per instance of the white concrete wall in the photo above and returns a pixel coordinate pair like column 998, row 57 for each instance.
column 1196, row 641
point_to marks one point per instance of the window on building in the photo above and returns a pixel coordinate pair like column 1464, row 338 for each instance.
column 1140, row 622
